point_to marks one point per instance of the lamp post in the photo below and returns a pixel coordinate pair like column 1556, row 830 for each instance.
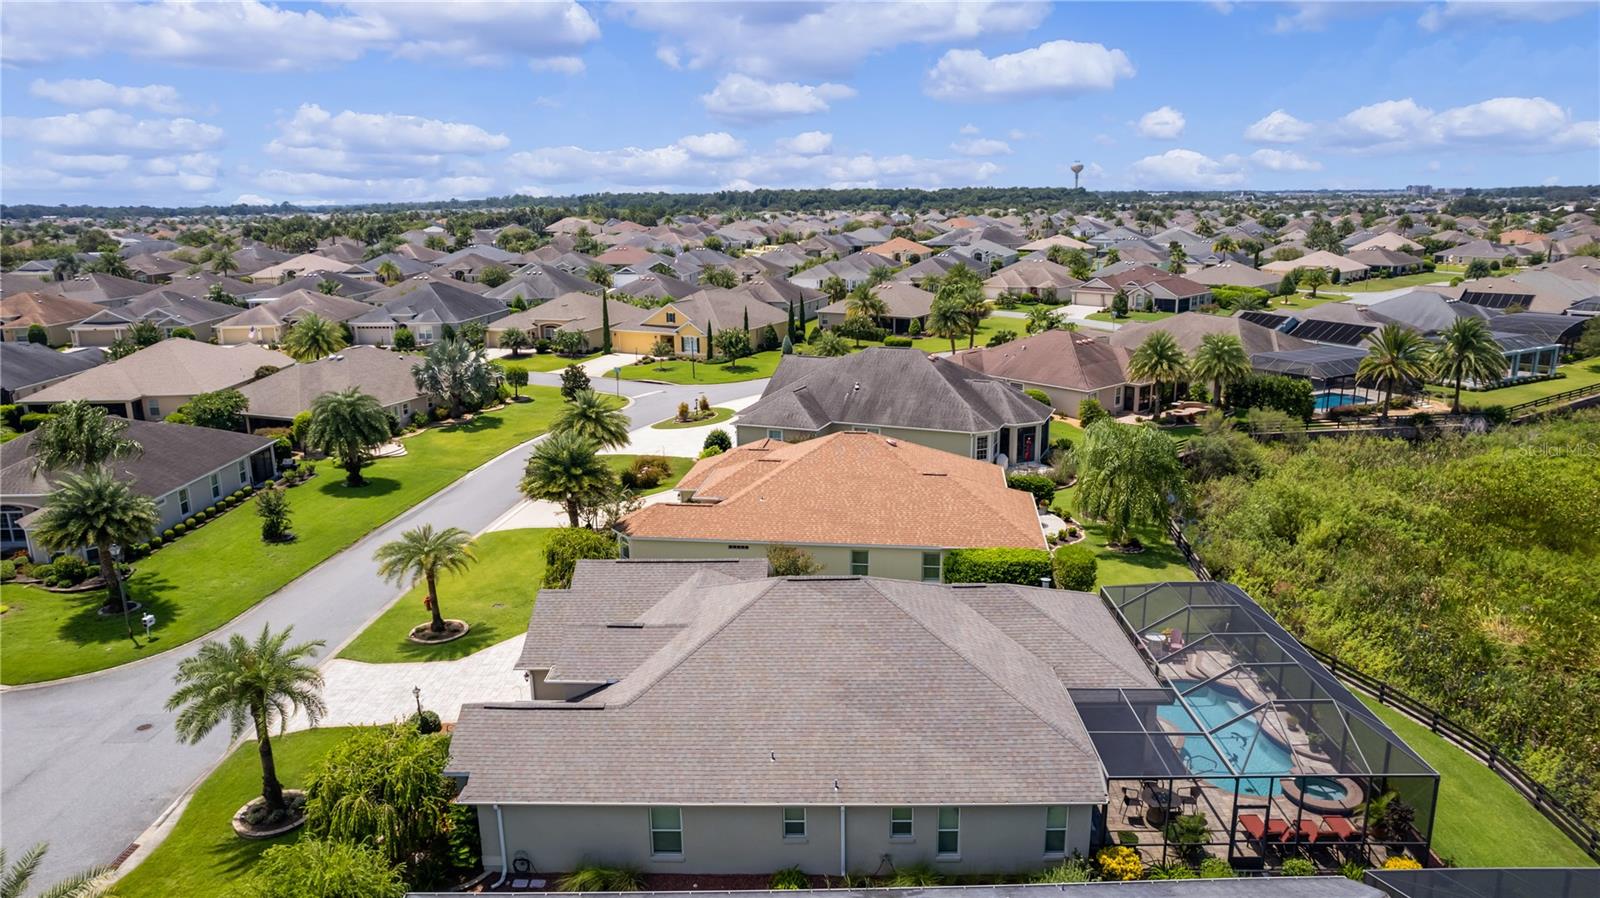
column 122, row 589
column 416, row 693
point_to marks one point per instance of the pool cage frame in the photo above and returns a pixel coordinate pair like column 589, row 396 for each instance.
column 1251, row 733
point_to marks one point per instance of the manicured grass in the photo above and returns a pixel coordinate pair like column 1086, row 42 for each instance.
column 1303, row 300
column 719, row 415
column 494, row 596
column 1160, row 560
column 1376, row 285
column 210, row 576
column 762, row 364
column 202, row 856
column 1133, row 315
column 987, row 328
column 1482, row 822
column 547, row 361
column 680, row 467
column 1578, row 374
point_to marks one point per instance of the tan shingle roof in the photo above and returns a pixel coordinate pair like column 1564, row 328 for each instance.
column 169, row 368
column 24, row 309
column 1067, row 359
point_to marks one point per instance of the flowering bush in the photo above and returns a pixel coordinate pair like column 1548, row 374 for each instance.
column 1401, row 862
column 1119, row 863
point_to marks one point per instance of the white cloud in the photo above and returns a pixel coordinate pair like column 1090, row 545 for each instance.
column 108, row 129
column 318, row 188
column 715, row 145
column 252, row 199
column 742, row 98
column 982, row 146
column 807, row 143
column 1317, row 15
column 1526, row 123
column 94, row 93
column 563, row 65
column 1283, row 160
column 969, row 128
column 1165, row 123
column 1278, row 126
column 84, row 163
column 1105, row 140
column 1017, row 134
column 251, row 35
column 1052, row 68
column 311, row 126
column 1186, row 169
column 788, row 40
column 1481, row 12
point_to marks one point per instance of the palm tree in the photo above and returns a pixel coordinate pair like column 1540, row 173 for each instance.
column 1223, row 245
column 835, row 288
column 388, row 272
column 80, row 435
column 66, row 267
column 312, row 338
column 1467, row 350
column 16, row 878
column 1175, row 257
column 830, row 345
column 1395, row 355
column 347, row 424
column 457, row 371
column 564, row 468
column 1314, row 278
column 422, row 553
column 1159, row 359
column 1041, row 319
column 222, row 261
column 962, row 286
column 946, row 321
column 598, row 274
column 248, row 685
column 1220, row 359
column 1254, row 247
column 515, row 339
column 328, row 287
column 589, row 415
column 96, row 509
column 864, row 302
column 112, row 264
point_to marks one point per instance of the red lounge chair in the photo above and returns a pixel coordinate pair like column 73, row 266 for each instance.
column 1279, row 829
column 1340, row 828
column 1253, row 826
column 1308, row 831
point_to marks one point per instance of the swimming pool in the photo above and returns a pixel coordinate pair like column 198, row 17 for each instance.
column 1325, row 401
column 1248, row 749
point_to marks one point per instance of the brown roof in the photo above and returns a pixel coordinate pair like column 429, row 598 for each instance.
column 174, row 367
column 574, row 311
column 768, row 492
column 25, row 309
column 1055, row 358
column 1032, row 273
column 379, row 373
column 1189, row 327
column 899, row 245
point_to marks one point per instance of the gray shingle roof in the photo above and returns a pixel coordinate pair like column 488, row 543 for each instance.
column 26, row 364
column 379, row 373
column 174, row 455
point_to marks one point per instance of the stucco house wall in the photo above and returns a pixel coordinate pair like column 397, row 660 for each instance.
column 894, row 562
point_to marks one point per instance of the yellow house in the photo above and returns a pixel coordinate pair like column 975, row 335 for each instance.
column 690, row 323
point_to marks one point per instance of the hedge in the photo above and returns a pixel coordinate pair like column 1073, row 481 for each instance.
column 1290, row 395
column 1039, row 396
column 567, row 546
column 1074, row 567
column 897, row 342
column 1042, row 487
column 997, row 565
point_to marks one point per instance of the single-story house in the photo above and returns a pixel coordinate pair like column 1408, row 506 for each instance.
column 692, row 322
column 153, row 382
column 853, row 270
column 300, row 266
column 27, row 368
column 1189, row 328
column 781, row 293
column 1147, row 288
column 571, row 312
column 900, row 393
column 1233, row 274
column 105, row 290
column 538, row 283
column 1069, row 366
column 983, row 255
column 269, row 321
column 425, row 307
column 904, row 302
column 1033, row 276
column 900, row 250
column 152, row 269
column 812, row 494
column 19, row 312
column 166, row 309
column 384, row 375
column 344, row 285
column 1045, row 244
column 1383, row 262
column 1339, row 268
column 1388, row 240
column 184, row 469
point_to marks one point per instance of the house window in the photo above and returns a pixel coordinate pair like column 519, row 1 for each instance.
column 666, row 832
column 949, row 832
column 931, row 568
column 622, row 547
column 794, row 823
column 216, row 487
column 10, row 528
column 901, row 824
column 691, row 345
column 981, row 453
column 1055, row 829
column 244, row 472
column 775, row 435
column 672, row 317
column 152, row 408
column 858, row 562
column 183, row 501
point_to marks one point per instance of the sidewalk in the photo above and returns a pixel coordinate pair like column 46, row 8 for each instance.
column 358, row 693
column 540, row 513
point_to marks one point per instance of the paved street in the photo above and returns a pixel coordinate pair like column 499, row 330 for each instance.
column 87, row 765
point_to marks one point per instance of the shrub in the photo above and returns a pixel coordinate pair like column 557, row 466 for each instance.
column 426, row 722
column 66, row 570
column 709, row 451
column 8, row 571
column 897, row 342
column 1495, row 415
column 566, row 547
column 156, row 542
column 789, row 879
column 272, row 507
column 997, row 565
column 1074, row 869
column 1216, row 868
column 595, row 878
column 1298, row 866
column 646, row 472
column 332, row 869
column 1399, row 862
column 10, row 415
column 573, row 381
column 1169, row 871
column 1089, row 411
column 181, row 527
column 1188, row 835
column 718, row 439
column 1043, row 488
column 1119, row 863
column 384, row 786
column 169, row 533
column 32, row 420
column 915, row 876
column 1000, row 338
column 202, row 514
column 789, row 561
column 1353, row 870
column 1039, row 396
column 1290, row 395
column 1074, row 567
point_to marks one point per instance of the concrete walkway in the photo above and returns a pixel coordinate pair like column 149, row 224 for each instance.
column 540, row 513
column 358, row 693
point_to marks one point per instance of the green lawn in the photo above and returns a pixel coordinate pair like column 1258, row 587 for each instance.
column 202, row 856
column 1159, row 561
column 1133, row 315
column 1375, row 285
column 1482, row 821
column 762, row 364
column 1578, row 374
column 207, row 578
column 547, row 361
column 680, row 467
column 720, row 415
column 986, row 329
column 1303, row 300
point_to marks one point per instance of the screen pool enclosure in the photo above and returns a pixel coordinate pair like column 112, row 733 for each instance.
column 1250, row 750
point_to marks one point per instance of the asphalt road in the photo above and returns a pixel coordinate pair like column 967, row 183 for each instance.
column 87, row 765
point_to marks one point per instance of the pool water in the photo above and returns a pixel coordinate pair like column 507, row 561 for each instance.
column 1325, row 401
column 1248, row 749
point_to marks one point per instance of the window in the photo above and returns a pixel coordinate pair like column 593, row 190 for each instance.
column 622, row 547
column 691, row 345
column 794, row 823
column 981, row 453
column 672, row 318
column 244, row 472
column 775, row 435
column 949, row 832
column 666, row 831
column 152, row 408
column 183, row 501
column 931, row 568
column 10, row 528
column 1055, row 829
column 216, row 487
column 901, row 824
column 858, row 562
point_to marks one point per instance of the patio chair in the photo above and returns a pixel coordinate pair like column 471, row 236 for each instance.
column 1307, row 831
column 1340, row 828
column 1254, row 827
column 1175, row 641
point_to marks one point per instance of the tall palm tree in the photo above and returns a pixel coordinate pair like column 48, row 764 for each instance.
column 598, row 274
column 1220, row 359
column 515, row 339
column 222, row 260
column 66, row 267
column 1175, row 257
column 16, row 878
column 864, row 302
column 1314, row 278
column 347, row 425
column 1041, row 319
column 589, row 415
column 423, row 553
column 96, row 509
column 312, row 338
column 249, row 684
column 1467, row 350
column 1159, row 359
column 962, row 286
column 112, row 264
column 564, row 468
column 80, row 435
column 946, row 321
column 1254, row 247
column 458, row 372
column 388, row 272
column 1395, row 355
column 1223, row 245
column 834, row 287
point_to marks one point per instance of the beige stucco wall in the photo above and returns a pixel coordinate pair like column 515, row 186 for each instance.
column 231, row 336
column 96, row 336
column 741, row 839
column 894, row 563
column 57, row 334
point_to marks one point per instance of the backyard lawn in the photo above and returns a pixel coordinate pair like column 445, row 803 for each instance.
column 680, row 371
column 547, row 361
column 1578, row 374
column 1482, row 821
column 202, row 856
column 1133, row 315
column 680, row 467
column 1376, row 285
column 1159, row 561
column 205, row 579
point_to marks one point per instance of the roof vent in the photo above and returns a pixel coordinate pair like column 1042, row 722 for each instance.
column 891, row 441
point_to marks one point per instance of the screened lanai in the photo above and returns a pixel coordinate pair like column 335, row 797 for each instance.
column 1331, row 370
column 1251, row 750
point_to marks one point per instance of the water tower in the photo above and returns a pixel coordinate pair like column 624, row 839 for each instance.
column 1077, row 169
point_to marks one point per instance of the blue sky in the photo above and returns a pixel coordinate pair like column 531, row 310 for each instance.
column 178, row 103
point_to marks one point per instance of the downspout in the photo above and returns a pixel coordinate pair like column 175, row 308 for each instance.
column 505, row 862
column 843, row 868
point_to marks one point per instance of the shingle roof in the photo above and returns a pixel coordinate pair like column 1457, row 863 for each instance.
column 901, row 299
column 769, row 691
column 378, row 372
column 24, row 309
column 174, row 455
column 539, row 281
column 811, row 493
column 1055, row 358
column 574, row 311
column 26, row 364
column 428, row 300
column 169, row 368
column 296, row 305
column 1032, row 273
column 1189, row 327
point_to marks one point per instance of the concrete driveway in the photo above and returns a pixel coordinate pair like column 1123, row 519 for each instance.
column 88, row 764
